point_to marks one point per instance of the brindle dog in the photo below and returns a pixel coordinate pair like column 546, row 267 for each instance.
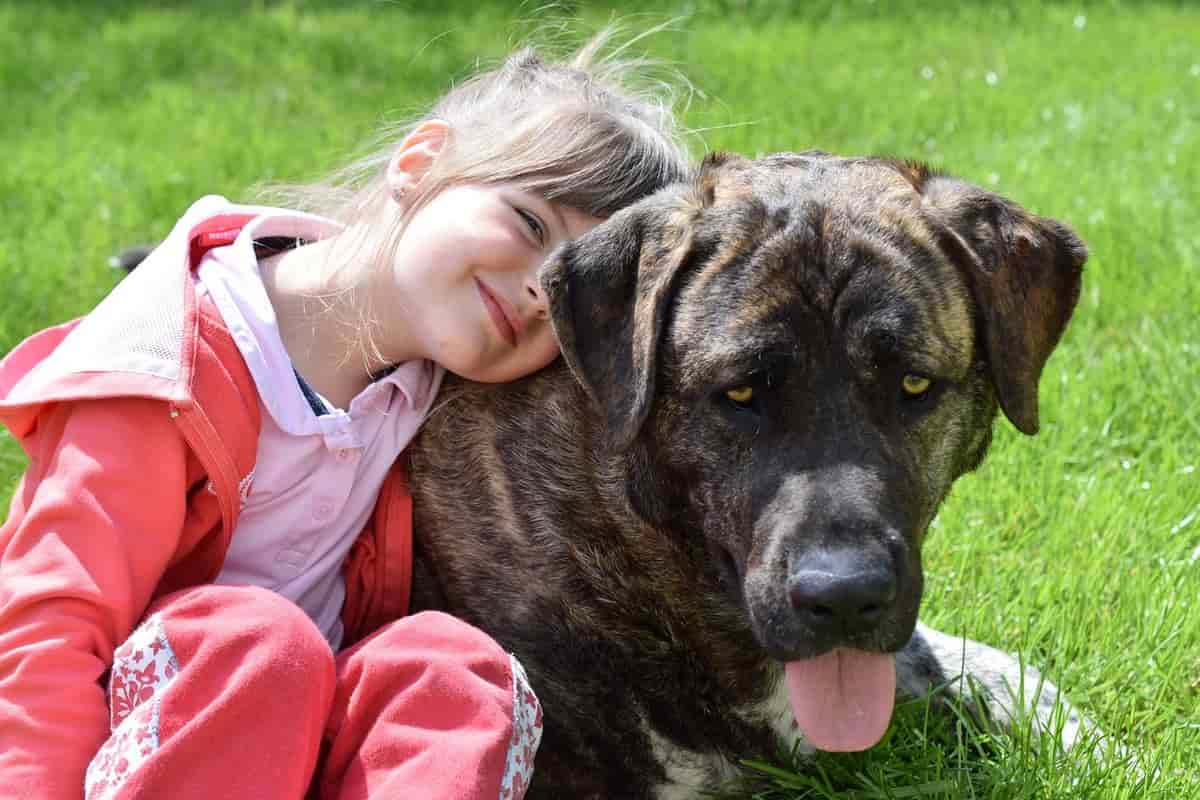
column 770, row 379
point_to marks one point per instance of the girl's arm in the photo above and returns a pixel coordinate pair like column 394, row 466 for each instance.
column 93, row 525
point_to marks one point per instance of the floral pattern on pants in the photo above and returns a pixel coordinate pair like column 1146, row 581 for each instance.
column 526, row 736
column 142, row 669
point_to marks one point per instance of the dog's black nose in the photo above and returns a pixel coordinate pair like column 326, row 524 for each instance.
column 841, row 591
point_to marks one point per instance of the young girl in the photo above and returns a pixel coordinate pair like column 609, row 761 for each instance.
column 212, row 462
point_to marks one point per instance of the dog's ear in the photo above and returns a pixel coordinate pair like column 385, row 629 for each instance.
column 1024, row 272
column 610, row 291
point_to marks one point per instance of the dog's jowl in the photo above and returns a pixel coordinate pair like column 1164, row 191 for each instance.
column 701, row 531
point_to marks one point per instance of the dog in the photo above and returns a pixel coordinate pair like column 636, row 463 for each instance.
column 700, row 530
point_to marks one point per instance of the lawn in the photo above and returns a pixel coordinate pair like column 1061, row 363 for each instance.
column 1079, row 548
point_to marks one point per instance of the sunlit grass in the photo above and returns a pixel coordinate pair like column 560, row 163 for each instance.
column 1080, row 548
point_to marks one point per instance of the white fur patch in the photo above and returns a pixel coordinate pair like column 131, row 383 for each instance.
column 688, row 772
column 776, row 710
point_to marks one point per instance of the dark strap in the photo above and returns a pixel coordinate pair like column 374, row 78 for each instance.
column 270, row 245
column 314, row 400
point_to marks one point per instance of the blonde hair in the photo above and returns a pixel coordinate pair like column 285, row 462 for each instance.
column 577, row 131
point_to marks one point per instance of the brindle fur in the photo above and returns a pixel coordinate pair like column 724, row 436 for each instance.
column 627, row 532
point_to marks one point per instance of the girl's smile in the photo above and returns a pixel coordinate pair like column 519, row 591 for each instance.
column 502, row 312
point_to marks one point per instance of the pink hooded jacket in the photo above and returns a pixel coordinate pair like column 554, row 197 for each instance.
column 131, row 498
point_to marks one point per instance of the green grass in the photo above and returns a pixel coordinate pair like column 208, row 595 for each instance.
column 1080, row 548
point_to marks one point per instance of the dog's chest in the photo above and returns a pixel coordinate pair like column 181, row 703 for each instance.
column 689, row 772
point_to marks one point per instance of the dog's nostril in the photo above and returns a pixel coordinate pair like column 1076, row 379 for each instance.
column 845, row 601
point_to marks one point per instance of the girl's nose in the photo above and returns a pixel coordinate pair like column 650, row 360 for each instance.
column 539, row 305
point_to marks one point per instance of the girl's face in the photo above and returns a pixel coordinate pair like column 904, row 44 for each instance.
column 465, row 280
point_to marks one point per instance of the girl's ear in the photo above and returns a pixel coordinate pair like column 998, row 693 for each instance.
column 416, row 154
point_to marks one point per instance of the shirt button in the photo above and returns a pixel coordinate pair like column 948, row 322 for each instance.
column 323, row 510
column 346, row 454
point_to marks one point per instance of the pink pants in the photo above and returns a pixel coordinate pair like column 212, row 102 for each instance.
column 232, row 692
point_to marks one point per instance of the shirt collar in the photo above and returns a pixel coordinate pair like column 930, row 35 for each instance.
column 238, row 290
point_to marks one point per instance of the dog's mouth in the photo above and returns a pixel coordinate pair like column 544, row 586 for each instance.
column 835, row 631
column 842, row 700
column 842, row 693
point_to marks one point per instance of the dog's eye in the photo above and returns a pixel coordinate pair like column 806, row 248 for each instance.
column 915, row 386
column 741, row 395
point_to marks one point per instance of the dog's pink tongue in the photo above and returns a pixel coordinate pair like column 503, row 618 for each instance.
column 843, row 700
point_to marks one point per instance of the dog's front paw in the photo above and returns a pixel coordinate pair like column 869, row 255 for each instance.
column 998, row 690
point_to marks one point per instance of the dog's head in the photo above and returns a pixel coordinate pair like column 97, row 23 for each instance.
column 798, row 356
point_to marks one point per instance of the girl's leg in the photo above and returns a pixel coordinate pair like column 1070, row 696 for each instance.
column 430, row 707
column 222, row 692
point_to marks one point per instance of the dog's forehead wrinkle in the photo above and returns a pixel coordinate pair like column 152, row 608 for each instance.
column 737, row 298
column 917, row 320
column 909, row 289
column 791, row 249
column 766, row 342
column 723, row 353
column 868, row 282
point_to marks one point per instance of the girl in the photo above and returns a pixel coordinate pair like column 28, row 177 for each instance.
column 213, row 455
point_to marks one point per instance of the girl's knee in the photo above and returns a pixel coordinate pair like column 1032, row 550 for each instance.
column 440, row 642
column 434, row 652
column 264, row 628
column 434, row 685
column 241, row 666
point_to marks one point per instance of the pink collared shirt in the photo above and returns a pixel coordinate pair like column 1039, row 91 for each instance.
column 316, row 478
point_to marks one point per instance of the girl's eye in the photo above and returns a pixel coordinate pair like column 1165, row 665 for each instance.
column 915, row 386
column 535, row 225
